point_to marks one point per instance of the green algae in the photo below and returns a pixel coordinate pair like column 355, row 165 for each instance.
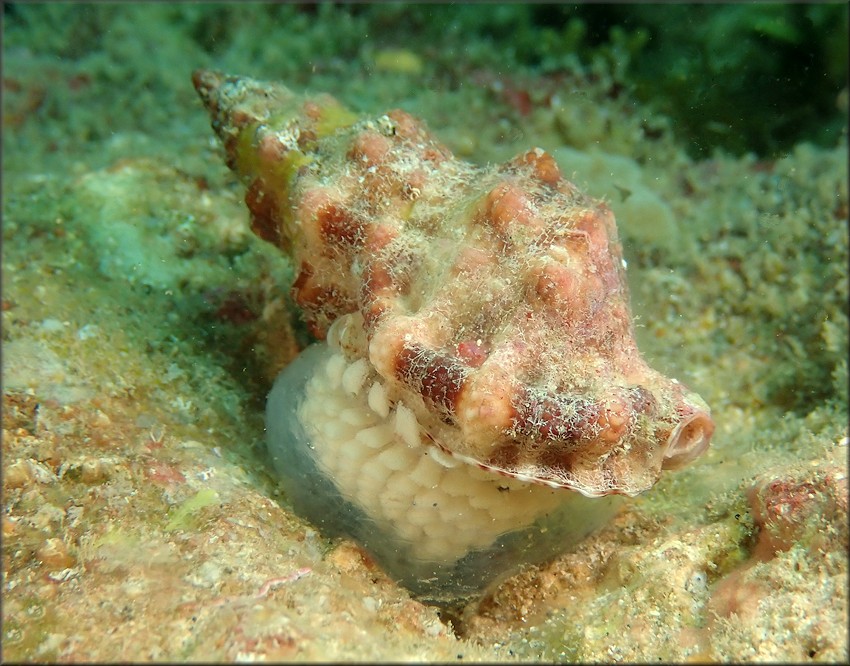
column 28, row 633
column 184, row 516
column 115, row 536
column 246, row 157
column 686, row 62
column 332, row 117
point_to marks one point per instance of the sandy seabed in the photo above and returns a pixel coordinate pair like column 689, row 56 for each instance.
column 143, row 324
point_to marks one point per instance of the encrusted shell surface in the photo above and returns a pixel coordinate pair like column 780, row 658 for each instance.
column 492, row 300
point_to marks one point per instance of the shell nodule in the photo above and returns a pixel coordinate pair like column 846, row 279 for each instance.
column 480, row 355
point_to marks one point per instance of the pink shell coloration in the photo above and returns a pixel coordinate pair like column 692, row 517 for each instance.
column 492, row 299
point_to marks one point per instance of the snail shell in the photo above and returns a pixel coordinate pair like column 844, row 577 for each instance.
column 479, row 384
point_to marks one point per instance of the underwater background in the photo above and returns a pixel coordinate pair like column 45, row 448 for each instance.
column 143, row 325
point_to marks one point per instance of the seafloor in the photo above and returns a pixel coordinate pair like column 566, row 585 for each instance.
column 143, row 324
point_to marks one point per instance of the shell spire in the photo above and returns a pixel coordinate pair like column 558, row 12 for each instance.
column 491, row 301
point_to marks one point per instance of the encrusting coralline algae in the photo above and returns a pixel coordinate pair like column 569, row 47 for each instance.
column 478, row 399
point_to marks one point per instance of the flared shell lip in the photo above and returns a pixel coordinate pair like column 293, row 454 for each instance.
column 537, row 479
column 688, row 440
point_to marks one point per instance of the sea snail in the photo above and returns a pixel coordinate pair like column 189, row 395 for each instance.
column 476, row 399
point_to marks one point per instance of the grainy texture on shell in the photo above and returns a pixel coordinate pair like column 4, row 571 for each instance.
column 491, row 300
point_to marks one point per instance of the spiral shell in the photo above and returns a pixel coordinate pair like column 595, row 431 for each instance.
column 483, row 309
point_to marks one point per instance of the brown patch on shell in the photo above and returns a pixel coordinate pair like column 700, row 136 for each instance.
column 338, row 227
column 438, row 377
column 265, row 214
